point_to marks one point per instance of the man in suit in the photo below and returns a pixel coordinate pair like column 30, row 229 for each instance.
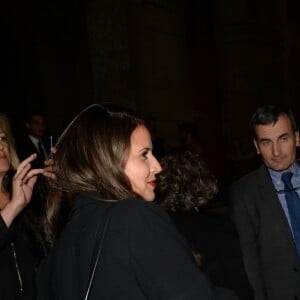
column 260, row 207
column 34, row 141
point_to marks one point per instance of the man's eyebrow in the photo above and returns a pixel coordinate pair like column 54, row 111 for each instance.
column 283, row 135
column 263, row 140
column 266, row 139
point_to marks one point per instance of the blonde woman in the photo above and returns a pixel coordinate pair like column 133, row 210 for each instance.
column 17, row 257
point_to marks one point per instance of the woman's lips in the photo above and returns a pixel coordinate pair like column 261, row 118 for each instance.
column 152, row 183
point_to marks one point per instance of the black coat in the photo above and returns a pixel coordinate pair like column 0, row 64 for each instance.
column 17, row 254
column 214, row 237
column 268, row 247
column 143, row 257
column 25, row 147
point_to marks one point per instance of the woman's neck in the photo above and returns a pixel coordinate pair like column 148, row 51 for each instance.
column 4, row 198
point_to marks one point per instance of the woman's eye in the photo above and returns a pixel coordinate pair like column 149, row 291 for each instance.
column 145, row 154
column 3, row 139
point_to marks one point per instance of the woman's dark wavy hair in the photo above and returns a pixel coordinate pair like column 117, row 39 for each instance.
column 186, row 183
column 91, row 155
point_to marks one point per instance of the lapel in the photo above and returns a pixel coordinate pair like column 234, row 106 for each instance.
column 271, row 202
column 266, row 187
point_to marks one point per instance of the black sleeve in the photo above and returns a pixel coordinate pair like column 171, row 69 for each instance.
column 247, row 227
column 162, row 260
column 7, row 234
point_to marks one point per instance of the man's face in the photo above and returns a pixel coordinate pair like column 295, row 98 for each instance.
column 277, row 143
column 36, row 126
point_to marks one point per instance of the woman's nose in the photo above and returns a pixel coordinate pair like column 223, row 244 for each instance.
column 156, row 167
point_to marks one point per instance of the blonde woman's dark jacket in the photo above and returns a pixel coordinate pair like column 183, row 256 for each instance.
column 17, row 262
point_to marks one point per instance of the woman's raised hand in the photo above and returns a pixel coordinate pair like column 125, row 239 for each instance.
column 22, row 187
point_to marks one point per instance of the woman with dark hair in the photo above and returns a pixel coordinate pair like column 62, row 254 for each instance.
column 104, row 167
column 185, row 187
column 186, row 183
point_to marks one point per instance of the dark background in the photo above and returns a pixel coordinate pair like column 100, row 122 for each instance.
column 211, row 62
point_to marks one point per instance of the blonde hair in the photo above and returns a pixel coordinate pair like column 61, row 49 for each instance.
column 6, row 128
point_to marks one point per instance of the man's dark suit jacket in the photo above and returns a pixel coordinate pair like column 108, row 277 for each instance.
column 25, row 147
column 143, row 256
column 268, row 247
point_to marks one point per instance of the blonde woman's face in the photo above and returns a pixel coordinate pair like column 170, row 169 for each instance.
column 4, row 153
column 142, row 167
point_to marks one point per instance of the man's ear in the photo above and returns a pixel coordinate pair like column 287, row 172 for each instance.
column 297, row 139
column 256, row 146
column 27, row 125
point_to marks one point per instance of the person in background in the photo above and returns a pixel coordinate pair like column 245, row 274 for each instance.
column 267, row 224
column 104, row 168
column 185, row 188
column 189, row 137
column 34, row 141
column 19, row 253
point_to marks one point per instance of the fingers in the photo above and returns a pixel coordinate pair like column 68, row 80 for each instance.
column 30, row 181
column 50, row 156
column 49, row 162
column 26, row 161
column 23, row 183
column 23, row 174
column 49, row 174
column 32, row 173
column 53, row 150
